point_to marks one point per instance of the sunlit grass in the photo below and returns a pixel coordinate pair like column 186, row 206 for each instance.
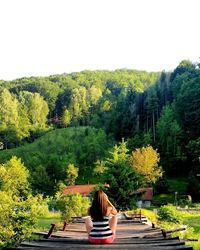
column 192, row 221
column 44, row 222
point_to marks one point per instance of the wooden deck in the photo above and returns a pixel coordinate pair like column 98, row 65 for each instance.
column 130, row 235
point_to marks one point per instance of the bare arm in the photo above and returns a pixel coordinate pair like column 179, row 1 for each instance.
column 113, row 210
column 88, row 224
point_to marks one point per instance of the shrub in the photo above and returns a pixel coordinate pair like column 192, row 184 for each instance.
column 185, row 200
column 72, row 205
column 18, row 219
column 169, row 213
column 163, row 199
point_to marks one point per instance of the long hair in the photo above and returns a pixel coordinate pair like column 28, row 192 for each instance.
column 99, row 206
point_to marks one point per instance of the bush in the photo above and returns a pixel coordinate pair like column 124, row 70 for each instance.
column 169, row 213
column 185, row 200
column 73, row 205
column 18, row 219
column 18, row 208
column 163, row 199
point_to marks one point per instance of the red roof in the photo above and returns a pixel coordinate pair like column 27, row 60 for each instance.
column 147, row 193
column 85, row 190
column 80, row 189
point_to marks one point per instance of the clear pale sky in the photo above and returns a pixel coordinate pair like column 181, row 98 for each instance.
column 45, row 37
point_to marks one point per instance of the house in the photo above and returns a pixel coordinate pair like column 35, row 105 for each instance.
column 146, row 198
column 84, row 190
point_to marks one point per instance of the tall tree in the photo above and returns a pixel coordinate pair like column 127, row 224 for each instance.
column 188, row 106
column 169, row 133
column 36, row 107
column 9, row 118
column 14, row 178
column 152, row 111
column 145, row 161
column 123, row 180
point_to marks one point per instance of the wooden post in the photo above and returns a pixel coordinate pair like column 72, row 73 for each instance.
column 140, row 215
column 65, row 225
column 50, row 231
column 164, row 233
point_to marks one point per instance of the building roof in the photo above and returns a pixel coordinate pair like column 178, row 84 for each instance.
column 147, row 193
column 81, row 189
column 86, row 189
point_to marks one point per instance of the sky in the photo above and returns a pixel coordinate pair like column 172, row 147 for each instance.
column 46, row 37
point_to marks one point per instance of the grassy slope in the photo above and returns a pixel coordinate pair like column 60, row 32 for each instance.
column 56, row 149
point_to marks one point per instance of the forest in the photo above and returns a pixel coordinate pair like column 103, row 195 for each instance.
column 44, row 119
column 126, row 128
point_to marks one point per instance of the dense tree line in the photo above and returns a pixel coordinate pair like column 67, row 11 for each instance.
column 161, row 109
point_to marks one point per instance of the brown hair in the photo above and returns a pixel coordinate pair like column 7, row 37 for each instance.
column 99, row 206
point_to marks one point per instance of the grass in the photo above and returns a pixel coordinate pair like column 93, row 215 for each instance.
column 192, row 221
column 44, row 222
column 148, row 213
column 178, row 185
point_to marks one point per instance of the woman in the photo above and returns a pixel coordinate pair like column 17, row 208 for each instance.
column 101, row 225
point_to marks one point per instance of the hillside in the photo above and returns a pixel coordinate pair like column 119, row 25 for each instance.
column 48, row 157
column 144, row 108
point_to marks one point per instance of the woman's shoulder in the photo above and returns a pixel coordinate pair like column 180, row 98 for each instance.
column 111, row 211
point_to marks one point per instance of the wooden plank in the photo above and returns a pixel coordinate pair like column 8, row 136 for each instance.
column 124, row 244
column 129, row 236
column 125, row 240
column 110, row 246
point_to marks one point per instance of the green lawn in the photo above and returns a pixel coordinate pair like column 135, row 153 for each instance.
column 44, row 223
column 192, row 221
column 178, row 185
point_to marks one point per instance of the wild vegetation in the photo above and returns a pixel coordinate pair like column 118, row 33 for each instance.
column 128, row 128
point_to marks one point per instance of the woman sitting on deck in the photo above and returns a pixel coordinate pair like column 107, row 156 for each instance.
column 102, row 223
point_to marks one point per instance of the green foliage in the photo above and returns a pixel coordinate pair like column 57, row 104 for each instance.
column 163, row 199
column 194, row 187
column 162, row 185
column 17, row 218
column 66, row 118
column 71, row 174
column 192, row 220
column 12, row 120
column 142, row 107
column 18, row 208
column 169, row 213
column 72, row 205
column 184, row 70
column 36, row 108
column 170, row 134
column 14, row 178
column 100, row 168
column 188, row 106
column 148, row 213
column 48, row 156
column 38, row 177
column 179, row 185
column 123, row 180
column 145, row 161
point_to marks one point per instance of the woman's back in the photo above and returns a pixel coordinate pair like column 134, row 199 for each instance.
column 101, row 229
